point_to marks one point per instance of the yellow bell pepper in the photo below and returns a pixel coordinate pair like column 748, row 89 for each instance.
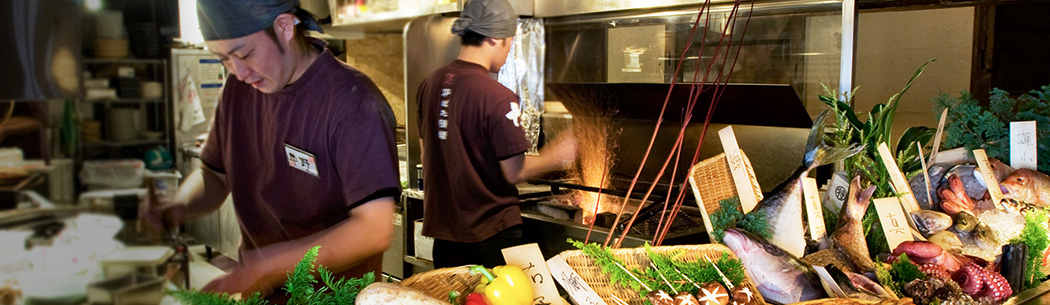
column 507, row 285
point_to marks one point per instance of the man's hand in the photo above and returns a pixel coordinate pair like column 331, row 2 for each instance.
column 240, row 280
column 162, row 215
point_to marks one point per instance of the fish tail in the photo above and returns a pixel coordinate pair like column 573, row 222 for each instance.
column 818, row 153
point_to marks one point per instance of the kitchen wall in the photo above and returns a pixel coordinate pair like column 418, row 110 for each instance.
column 380, row 56
column 892, row 45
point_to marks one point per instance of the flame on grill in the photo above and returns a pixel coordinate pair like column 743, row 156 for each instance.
column 595, row 146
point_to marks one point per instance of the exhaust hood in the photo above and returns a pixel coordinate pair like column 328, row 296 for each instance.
column 41, row 53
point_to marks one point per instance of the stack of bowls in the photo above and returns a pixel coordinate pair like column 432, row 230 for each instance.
column 112, row 37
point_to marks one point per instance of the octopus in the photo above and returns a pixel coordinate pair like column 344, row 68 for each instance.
column 980, row 282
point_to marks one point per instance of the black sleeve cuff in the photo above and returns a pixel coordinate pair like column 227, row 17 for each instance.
column 383, row 192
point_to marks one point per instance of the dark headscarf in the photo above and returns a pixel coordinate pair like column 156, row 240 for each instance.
column 229, row 19
column 491, row 18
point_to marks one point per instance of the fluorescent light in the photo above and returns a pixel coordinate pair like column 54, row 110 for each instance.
column 93, row 5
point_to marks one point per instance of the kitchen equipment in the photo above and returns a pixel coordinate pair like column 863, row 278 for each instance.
column 10, row 197
column 126, row 290
column 123, row 124
column 150, row 260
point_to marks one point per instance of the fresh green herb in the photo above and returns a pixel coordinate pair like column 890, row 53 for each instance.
column 971, row 125
column 299, row 286
column 605, row 260
column 876, row 129
column 900, row 272
column 727, row 215
column 668, row 265
column 831, row 219
column 1034, row 235
column 756, row 222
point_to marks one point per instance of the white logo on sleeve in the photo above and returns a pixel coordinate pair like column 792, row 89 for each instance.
column 514, row 113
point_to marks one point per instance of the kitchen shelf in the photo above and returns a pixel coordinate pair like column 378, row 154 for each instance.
column 424, row 263
column 126, row 143
column 123, row 61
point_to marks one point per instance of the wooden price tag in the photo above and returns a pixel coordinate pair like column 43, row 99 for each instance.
column 925, row 175
column 1023, row 150
column 830, row 286
column 817, row 231
column 989, row 176
column 580, row 292
column 937, row 136
column 741, row 175
column 894, row 222
column 530, row 259
column 900, row 184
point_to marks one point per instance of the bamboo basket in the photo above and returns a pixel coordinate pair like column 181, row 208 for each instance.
column 712, row 180
column 439, row 282
column 637, row 258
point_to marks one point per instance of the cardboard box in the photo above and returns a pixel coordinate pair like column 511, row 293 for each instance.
column 424, row 245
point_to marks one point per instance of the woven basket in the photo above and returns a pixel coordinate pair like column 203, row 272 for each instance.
column 637, row 258
column 439, row 282
column 712, row 181
column 841, row 301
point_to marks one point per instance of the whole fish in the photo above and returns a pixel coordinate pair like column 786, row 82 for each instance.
column 780, row 276
column 984, row 237
column 1027, row 186
column 930, row 222
column 849, row 237
column 783, row 207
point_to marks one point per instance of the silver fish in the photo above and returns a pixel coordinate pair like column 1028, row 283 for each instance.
column 930, row 222
column 984, row 237
column 780, row 276
column 947, row 240
column 965, row 221
column 783, row 208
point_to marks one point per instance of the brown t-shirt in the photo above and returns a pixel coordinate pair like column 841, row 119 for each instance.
column 468, row 123
column 334, row 117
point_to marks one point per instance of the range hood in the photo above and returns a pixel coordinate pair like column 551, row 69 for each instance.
column 41, row 53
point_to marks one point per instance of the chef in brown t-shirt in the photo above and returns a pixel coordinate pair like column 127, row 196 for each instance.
column 473, row 144
column 303, row 143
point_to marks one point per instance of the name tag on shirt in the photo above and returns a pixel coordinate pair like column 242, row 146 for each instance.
column 301, row 159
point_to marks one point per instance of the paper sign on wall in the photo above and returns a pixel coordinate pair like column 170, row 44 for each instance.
column 990, row 181
column 817, row 231
column 578, row 289
column 741, row 175
column 1023, row 150
column 894, row 222
column 900, row 184
column 530, row 259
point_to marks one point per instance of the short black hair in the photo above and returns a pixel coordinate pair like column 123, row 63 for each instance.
column 471, row 38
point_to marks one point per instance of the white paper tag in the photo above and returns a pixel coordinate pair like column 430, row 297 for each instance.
column 529, row 258
column 900, row 184
column 937, row 136
column 838, row 190
column 301, row 159
column 578, row 289
column 830, row 286
column 1023, row 150
column 989, row 176
column 894, row 223
column 741, row 178
column 817, row 231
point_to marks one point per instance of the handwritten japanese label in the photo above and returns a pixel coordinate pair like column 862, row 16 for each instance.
column 838, row 189
column 578, row 289
column 989, row 176
column 937, row 136
column 530, row 259
column 814, row 212
column 900, row 184
column 741, row 173
column 1023, row 149
column 894, row 222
